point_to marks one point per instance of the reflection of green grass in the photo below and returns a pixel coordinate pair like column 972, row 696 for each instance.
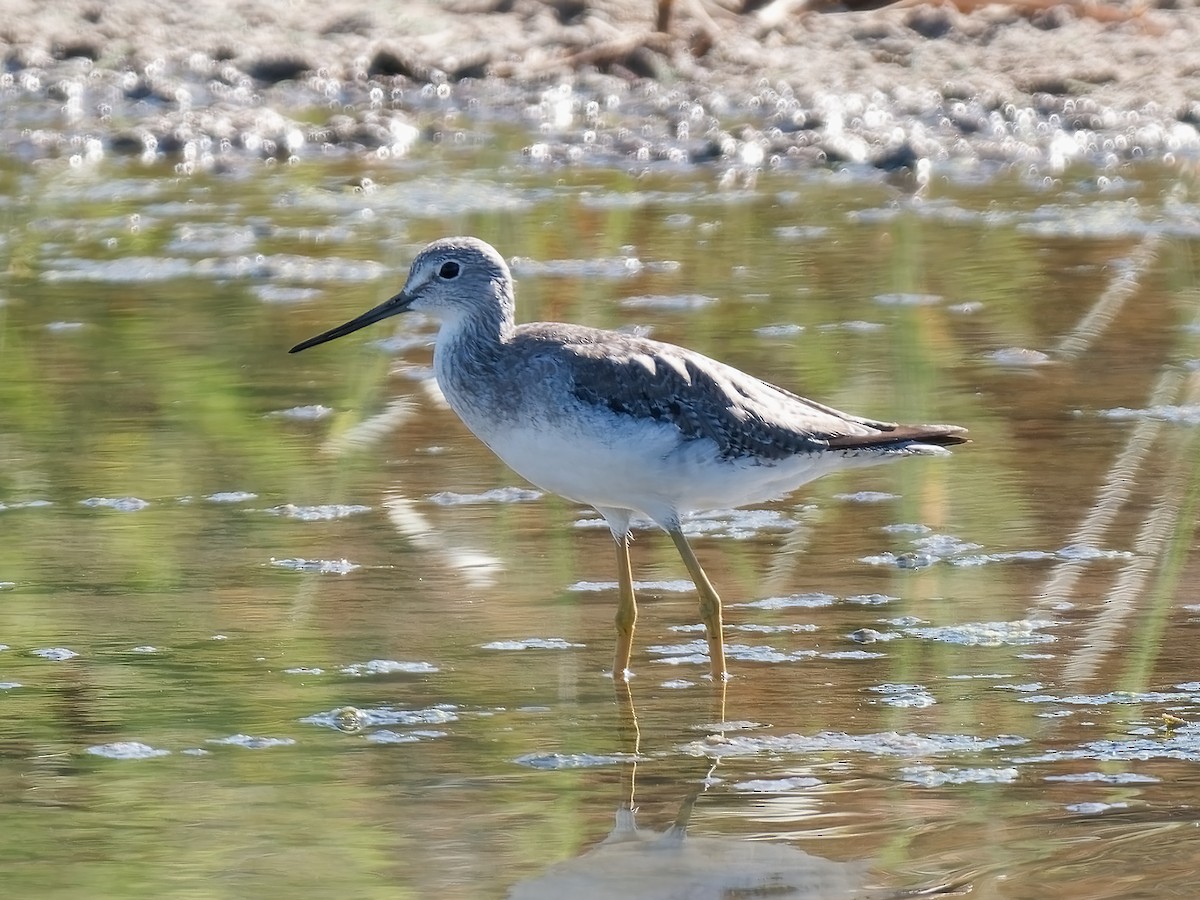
column 1148, row 638
column 166, row 394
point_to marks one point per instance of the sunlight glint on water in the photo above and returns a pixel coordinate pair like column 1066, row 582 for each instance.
column 282, row 623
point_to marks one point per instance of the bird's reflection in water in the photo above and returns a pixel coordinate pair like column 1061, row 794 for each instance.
column 635, row 863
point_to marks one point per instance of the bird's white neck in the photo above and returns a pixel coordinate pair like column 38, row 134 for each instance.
column 485, row 320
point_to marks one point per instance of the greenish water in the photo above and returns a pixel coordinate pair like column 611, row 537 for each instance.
column 290, row 586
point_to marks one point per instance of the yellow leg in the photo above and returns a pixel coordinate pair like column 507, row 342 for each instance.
column 626, row 611
column 718, row 708
column 710, row 606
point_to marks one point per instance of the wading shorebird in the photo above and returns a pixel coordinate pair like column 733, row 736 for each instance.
column 622, row 423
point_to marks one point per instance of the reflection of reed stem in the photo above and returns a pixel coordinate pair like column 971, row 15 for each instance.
column 1124, row 284
column 1113, row 494
column 1162, row 521
column 345, row 438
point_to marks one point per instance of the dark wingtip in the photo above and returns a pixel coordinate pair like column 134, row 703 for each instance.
column 937, row 435
column 943, row 435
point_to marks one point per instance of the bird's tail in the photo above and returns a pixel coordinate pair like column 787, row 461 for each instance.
column 923, row 439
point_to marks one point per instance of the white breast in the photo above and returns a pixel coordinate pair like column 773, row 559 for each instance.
column 618, row 461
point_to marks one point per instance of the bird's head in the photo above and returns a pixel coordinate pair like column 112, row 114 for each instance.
column 459, row 279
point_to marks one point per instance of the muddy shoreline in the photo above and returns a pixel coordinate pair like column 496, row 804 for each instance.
column 921, row 88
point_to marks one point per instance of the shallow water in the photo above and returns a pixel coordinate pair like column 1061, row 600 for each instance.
column 278, row 624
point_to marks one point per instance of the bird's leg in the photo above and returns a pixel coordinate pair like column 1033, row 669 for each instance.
column 626, row 609
column 718, row 710
column 710, row 605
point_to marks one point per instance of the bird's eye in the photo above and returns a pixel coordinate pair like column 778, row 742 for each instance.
column 448, row 270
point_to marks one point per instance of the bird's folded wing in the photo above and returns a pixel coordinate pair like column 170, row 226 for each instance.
column 703, row 398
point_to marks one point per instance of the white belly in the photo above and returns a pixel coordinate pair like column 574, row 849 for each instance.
column 643, row 466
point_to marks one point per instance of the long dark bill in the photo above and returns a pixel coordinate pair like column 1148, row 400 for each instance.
column 392, row 307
